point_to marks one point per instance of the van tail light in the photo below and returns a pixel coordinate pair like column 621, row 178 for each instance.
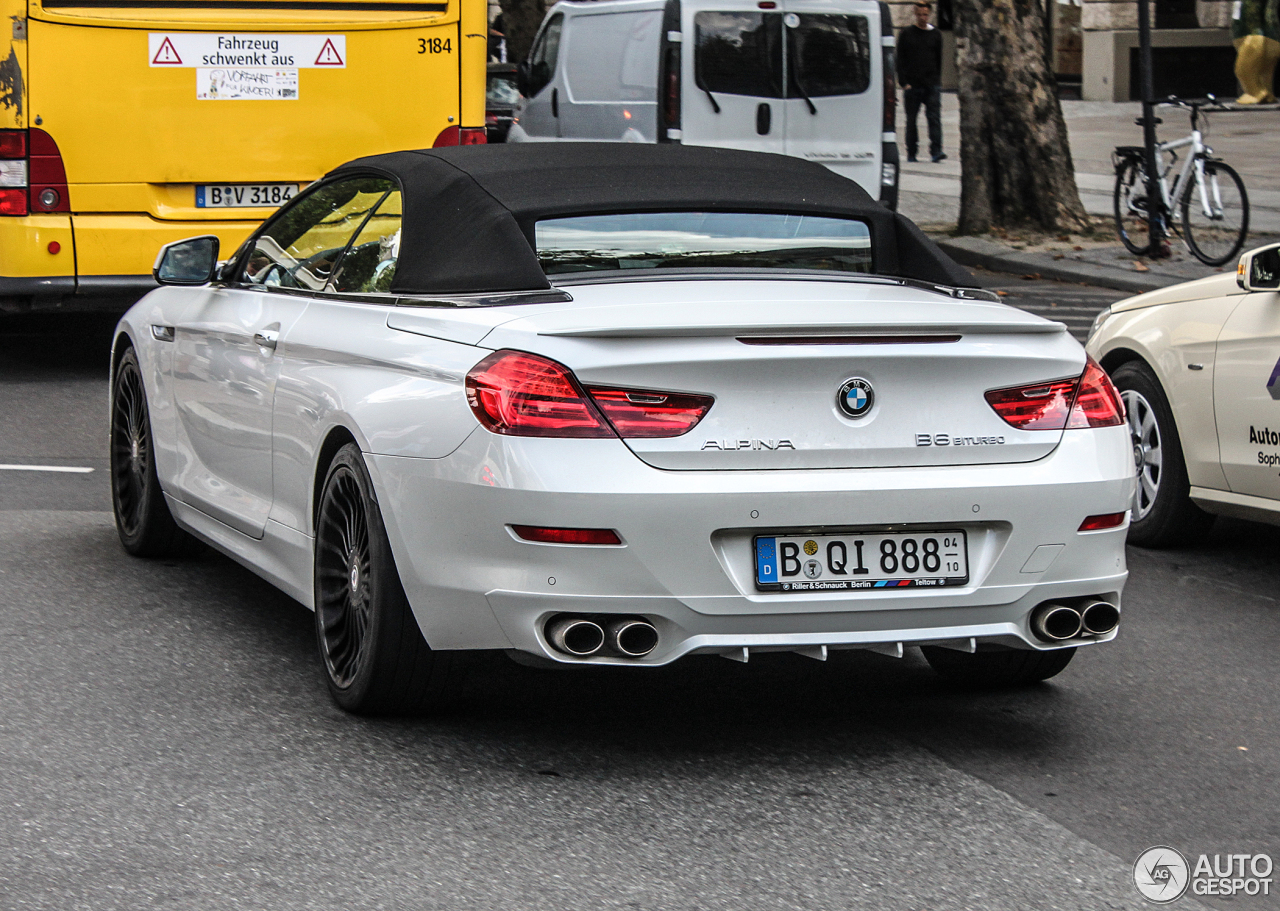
column 1090, row 401
column 890, row 121
column 460, row 136
column 48, row 176
column 671, row 88
column 521, row 394
column 637, row 414
column 32, row 177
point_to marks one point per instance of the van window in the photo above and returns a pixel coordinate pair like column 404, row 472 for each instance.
column 542, row 59
column 829, row 55
column 298, row 248
column 702, row 240
column 738, row 53
column 614, row 56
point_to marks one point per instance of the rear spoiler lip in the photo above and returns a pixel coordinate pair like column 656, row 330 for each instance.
column 863, row 332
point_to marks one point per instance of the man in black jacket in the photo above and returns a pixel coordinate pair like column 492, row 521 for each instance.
column 920, row 75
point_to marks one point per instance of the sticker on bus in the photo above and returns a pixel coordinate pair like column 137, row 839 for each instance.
column 229, row 84
column 207, row 49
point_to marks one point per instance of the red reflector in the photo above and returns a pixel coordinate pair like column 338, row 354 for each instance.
column 1090, row 401
column 767, row 4
column 13, row 202
column 567, row 535
column 1097, row 404
column 13, row 144
column 526, row 395
column 1110, row 520
column 640, row 415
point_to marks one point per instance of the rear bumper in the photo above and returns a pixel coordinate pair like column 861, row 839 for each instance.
column 685, row 563
column 102, row 262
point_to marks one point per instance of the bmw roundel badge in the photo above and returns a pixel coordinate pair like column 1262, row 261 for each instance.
column 855, row 397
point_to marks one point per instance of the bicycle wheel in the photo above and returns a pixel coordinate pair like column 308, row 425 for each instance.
column 1131, row 207
column 1216, row 234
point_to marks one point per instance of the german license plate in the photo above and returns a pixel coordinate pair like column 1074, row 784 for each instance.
column 243, row 195
column 913, row 559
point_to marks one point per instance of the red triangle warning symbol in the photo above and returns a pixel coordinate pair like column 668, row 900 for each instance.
column 329, row 55
column 166, row 54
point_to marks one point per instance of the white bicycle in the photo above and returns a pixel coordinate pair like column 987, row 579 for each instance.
column 1208, row 194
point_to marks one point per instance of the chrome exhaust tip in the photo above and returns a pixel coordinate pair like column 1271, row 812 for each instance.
column 575, row 636
column 632, row 638
column 1099, row 618
column 1056, row 622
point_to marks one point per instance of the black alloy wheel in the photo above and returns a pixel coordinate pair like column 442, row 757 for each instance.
column 997, row 667
column 143, row 521
column 375, row 657
column 1162, row 514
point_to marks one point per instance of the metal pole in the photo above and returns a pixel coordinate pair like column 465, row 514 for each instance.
column 1155, row 202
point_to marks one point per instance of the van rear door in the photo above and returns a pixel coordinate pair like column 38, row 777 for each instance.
column 833, row 109
column 733, row 83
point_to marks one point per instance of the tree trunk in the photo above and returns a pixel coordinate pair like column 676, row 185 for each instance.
column 520, row 21
column 1015, row 159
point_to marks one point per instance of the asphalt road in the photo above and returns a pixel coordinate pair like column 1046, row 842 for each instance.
column 166, row 740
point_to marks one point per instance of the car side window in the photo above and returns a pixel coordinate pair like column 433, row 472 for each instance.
column 299, row 247
column 370, row 262
column 542, row 59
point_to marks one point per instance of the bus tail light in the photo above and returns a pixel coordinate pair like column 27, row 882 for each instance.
column 48, row 176
column 32, row 176
column 460, row 136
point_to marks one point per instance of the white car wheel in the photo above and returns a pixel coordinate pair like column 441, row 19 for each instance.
column 1147, row 452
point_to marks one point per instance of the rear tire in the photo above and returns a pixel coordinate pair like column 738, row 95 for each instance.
column 1130, row 202
column 375, row 658
column 1162, row 514
column 143, row 520
column 999, row 667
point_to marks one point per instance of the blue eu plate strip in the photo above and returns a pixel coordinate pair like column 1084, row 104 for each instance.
column 199, row 197
column 766, row 560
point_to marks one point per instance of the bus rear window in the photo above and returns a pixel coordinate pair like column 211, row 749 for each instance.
column 702, row 240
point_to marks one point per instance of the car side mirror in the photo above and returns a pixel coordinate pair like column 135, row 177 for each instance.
column 187, row 262
column 1259, row 269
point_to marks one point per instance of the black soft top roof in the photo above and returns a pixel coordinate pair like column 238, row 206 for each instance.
column 471, row 209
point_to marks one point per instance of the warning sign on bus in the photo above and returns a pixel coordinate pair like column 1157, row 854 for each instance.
column 271, row 51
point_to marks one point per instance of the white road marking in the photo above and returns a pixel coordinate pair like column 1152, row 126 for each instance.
column 67, row 469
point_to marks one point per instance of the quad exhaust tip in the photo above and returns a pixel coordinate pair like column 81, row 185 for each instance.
column 582, row 637
column 1059, row 622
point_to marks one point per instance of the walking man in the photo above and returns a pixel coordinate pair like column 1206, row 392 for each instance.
column 920, row 75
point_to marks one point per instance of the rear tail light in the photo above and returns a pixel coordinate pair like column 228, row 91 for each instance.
column 1097, row 402
column 636, row 414
column 1090, row 401
column 1110, row 520
column 32, row 177
column 567, row 535
column 521, row 394
column 889, row 123
column 460, row 136
column 525, row 395
column 671, row 88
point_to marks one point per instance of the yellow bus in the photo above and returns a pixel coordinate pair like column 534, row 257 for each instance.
column 126, row 124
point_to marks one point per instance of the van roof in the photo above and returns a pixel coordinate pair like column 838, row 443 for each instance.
column 470, row 211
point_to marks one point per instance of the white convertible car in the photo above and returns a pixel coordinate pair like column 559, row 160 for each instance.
column 619, row 404
column 1198, row 366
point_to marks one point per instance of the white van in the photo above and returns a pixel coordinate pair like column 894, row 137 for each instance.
column 809, row 78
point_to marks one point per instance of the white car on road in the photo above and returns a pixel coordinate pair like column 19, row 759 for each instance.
column 1198, row 366
column 619, row 404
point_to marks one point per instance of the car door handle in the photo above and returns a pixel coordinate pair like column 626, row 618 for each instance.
column 764, row 119
column 267, row 338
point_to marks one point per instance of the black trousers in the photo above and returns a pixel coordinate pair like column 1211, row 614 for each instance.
column 931, row 97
